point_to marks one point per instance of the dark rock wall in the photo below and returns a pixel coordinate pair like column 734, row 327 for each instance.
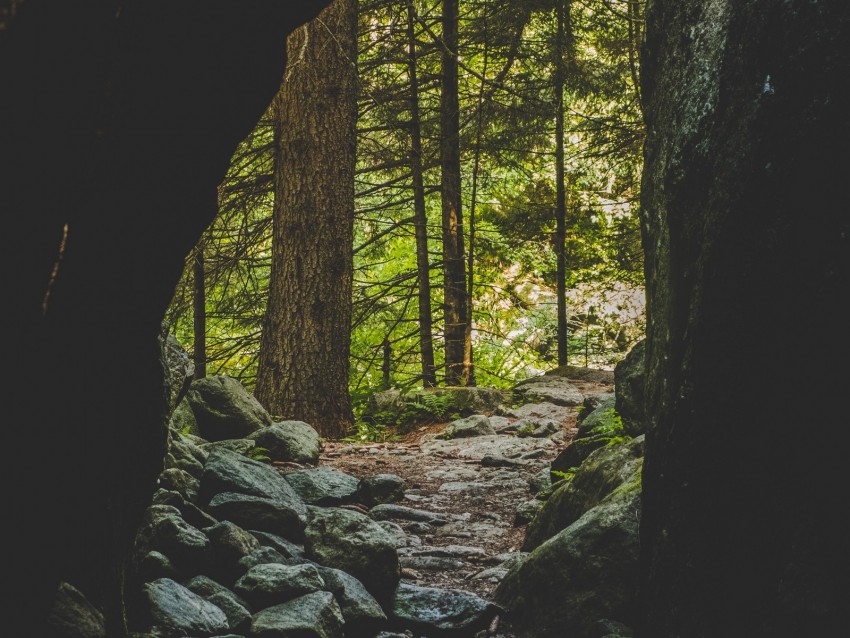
column 117, row 121
column 747, row 236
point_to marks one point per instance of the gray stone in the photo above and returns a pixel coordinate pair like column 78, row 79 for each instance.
column 286, row 548
column 603, row 472
column 450, row 612
column 178, row 480
column 272, row 583
column 227, row 471
column 361, row 611
column 236, row 609
column 286, row 518
column 224, row 409
column 542, row 413
column 527, row 510
column 476, row 448
column 315, row 615
column 178, row 367
column 502, row 424
column 353, row 542
column 465, row 552
column 266, row 556
column 541, row 483
column 176, row 611
column 550, row 389
column 229, row 543
column 185, row 455
column 630, row 374
column 599, row 420
column 294, row 441
column 391, row 511
column 585, row 572
column 164, row 530
column 475, row 425
column 323, row 486
column 240, row 446
column 380, row 488
column 572, row 456
column 431, row 563
column 190, row 512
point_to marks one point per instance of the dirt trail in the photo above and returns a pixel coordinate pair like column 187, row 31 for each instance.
column 473, row 486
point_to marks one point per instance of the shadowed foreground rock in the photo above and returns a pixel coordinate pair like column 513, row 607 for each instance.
column 747, row 241
column 155, row 96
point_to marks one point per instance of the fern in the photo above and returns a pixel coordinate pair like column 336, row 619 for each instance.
column 259, row 453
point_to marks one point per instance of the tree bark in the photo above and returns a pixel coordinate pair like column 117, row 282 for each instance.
column 423, row 268
column 303, row 365
column 199, row 312
column 747, row 242
column 455, row 307
column 560, row 181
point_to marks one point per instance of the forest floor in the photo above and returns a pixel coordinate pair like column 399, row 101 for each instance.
column 476, row 501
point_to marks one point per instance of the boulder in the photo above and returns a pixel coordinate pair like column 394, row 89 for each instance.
column 323, row 486
column 315, row 615
column 294, row 441
column 630, row 377
column 284, row 517
column 236, row 609
column 229, row 543
column 380, row 488
column 442, row 612
column 178, row 366
column 176, row 611
column 228, row 471
column 178, row 480
column 600, row 420
column 585, row 573
column 604, row 471
column 273, row 583
column 224, row 409
column 362, row 613
column 353, row 542
column 164, row 530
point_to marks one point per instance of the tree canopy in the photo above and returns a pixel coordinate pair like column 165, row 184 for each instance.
column 523, row 83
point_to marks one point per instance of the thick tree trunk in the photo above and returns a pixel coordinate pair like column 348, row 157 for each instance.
column 747, row 242
column 303, row 368
column 113, row 126
column 423, row 267
column 455, row 307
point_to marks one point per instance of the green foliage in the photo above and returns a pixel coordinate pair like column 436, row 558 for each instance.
column 566, row 475
column 610, row 424
column 368, row 432
column 508, row 52
column 259, row 453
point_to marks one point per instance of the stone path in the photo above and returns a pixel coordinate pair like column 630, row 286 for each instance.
column 458, row 526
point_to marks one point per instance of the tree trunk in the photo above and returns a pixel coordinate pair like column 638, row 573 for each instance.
column 199, row 312
column 455, row 310
column 747, row 242
column 560, row 185
column 303, row 366
column 423, row 268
